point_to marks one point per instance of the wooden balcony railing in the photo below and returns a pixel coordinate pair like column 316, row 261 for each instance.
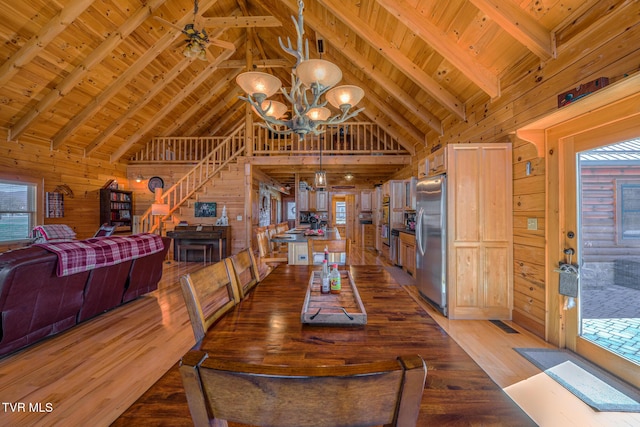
column 351, row 138
column 225, row 152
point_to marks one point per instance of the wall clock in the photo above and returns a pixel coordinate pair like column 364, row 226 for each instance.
column 155, row 182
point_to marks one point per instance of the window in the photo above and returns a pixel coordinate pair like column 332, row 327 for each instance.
column 629, row 211
column 341, row 212
column 291, row 211
column 18, row 209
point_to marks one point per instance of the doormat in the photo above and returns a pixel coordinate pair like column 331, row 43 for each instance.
column 500, row 324
column 594, row 386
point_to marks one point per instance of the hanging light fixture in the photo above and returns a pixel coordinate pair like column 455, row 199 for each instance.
column 320, row 178
column 348, row 176
column 311, row 79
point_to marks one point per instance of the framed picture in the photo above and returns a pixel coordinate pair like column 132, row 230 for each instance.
column 205, row 209
column 54, row 205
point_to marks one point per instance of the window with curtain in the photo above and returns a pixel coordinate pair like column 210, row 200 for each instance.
column 18, row 209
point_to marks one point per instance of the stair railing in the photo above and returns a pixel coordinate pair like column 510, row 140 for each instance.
column 223, row 154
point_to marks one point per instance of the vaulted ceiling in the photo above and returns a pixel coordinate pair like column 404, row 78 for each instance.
column 102, row 77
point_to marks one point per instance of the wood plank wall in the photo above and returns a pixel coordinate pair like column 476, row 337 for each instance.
column 529, row 92
column 226, row 190
column 33, row 159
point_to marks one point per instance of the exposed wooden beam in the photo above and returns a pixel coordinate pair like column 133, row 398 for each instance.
column 460, row 58
column 240, row 22
column 186, row 91
column 203, row 100
column 372, row 71
column 397, row 58
column 135, row 107
column 392, row 115
column 94, row 58
column 199, row 127
column 222, row 120
column 522, row 26
column 105, row 96
column 38, row 42
column 257, row 63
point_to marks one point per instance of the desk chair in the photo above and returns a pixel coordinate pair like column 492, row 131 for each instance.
column 380, row 393
column 245, row 270
column 336, row 250
column 209, row 293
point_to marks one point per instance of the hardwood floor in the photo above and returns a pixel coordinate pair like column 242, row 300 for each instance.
column 92, row 373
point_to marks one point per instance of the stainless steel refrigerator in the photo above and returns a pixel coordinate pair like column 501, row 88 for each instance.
column 431, row 240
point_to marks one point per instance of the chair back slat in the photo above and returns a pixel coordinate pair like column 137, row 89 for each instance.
column 208, row 294
column 339, row 250
column 379, row 393
column 245, row 270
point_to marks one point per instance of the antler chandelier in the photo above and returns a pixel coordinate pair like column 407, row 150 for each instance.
column 311, row 79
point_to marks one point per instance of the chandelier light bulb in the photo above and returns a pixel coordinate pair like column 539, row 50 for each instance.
column 318, row 71
column 346, row 95
column 319, row 113
column 255, row 82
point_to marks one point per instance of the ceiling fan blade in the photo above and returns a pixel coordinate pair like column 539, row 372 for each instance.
column 223, row 44
column 157, row 18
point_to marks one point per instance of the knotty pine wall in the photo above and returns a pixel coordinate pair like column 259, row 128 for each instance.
column 226, row 190
column 608, row 49
column 33, row 159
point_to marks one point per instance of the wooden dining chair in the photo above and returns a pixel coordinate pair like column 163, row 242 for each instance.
column 209, row 293
column 336, row 249
column 379, row 393
column 245, row 270
column 264, row 249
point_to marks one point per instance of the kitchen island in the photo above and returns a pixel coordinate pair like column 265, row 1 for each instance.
column 296, row 240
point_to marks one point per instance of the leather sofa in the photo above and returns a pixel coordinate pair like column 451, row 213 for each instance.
column 35, row 303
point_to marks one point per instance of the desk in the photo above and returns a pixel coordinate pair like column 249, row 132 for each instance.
column 218, row 236
column 266, row 328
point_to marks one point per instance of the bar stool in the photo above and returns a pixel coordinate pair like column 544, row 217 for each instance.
column 205, row 248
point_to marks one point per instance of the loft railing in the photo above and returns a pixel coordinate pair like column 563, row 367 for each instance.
column 348, row 138
column 226, row 151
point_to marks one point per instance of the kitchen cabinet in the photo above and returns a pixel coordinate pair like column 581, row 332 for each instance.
column 396, row 205
column 423, row 168
column 436, row 162
column 116, row 209
column 303, row 200
column 410, row 194
column 407, row 253
column 480, row 237
column 365, row 201
column 368, row 236
column 322, row 201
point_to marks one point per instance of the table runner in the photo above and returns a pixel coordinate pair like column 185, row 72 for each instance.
column 83, row 255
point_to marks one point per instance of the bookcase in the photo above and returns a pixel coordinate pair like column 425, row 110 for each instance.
column 116, row 209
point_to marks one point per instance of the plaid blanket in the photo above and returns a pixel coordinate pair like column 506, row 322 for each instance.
column 83, row 255
column 53, row 233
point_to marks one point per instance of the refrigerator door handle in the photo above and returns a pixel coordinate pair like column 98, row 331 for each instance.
column 419, row 237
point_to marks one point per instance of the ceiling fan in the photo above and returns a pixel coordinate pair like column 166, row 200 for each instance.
column 197, row 40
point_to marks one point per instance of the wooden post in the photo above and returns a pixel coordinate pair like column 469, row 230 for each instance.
column 248, row 115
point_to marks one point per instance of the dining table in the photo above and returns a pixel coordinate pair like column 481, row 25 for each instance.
column 266, row 328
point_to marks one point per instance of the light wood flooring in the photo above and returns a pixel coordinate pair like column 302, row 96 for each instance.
column 94, row 372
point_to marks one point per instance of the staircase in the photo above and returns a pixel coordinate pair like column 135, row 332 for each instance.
column 225, row 153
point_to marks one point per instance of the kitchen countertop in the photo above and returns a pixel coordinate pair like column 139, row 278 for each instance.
column 405, row 230
column 297, row 236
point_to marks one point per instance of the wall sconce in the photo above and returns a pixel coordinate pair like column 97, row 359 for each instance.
column 348, row 176
column 139, row 178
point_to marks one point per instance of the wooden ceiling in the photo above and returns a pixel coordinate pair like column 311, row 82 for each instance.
column 102, row 77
